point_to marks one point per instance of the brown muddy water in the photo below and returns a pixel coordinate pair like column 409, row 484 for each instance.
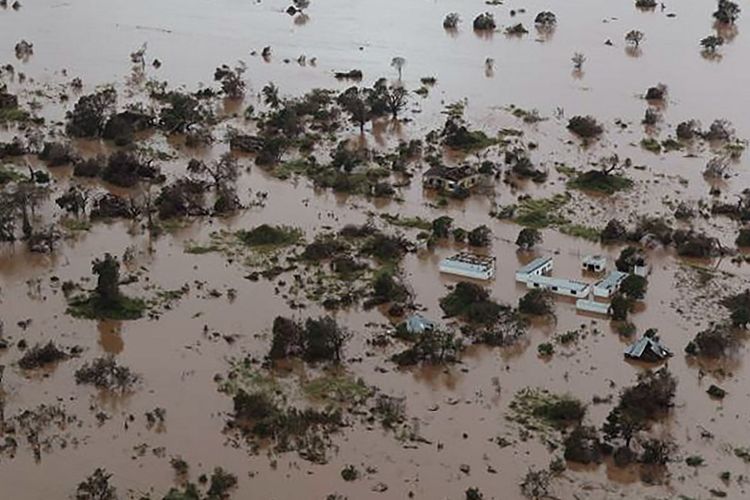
column 459, row 408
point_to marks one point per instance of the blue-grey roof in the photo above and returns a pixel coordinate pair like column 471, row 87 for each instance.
column 416, row 323
column 644, row 345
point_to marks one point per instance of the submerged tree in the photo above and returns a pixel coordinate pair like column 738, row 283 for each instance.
column 634, row 37
column 528, row 237
column 711, row 43
column 107, row 271
column 578, row 60
column 451, row 21
column 398, row 64
column 96, row 487
column 727, row 12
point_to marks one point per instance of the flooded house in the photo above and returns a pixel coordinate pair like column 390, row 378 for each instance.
column 416, row 324
column 537, row 267
column 469, row 265
column 609, row 285
column 647, row 348
column 593, row 306
column 559, row 286
column 450, row 178
column 594, row 263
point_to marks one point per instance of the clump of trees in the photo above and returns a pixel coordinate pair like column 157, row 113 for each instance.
column 537, row 302
column 259, row 414
column 711, row 43
column 639, row 405
column 480, row 236
column 690, row 243
column 583, row 445
column 386, row 288
column 578, row 59
column 716, row 341
column 433, row 346
column 232, row 84
column 268, row 235
column 126, row 169
column 528, row 238
column 472, row 303
column 386, row 248
column 90, row 114
column 42, row 355
column 106, row 301
column 727, row 12
column 106, row 373
column 634, row 37
column 545, row 19
column 739, row 308
column 656, row 93
column 451, row 21
column 315, row 340
column 585, row 127
column 96, row 487
column 606, row 180
column 485, row 22
column 614, row 231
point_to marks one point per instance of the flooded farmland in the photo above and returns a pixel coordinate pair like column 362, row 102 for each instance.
column 222, row 225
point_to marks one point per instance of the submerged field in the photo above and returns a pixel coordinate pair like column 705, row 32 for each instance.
column 256, row 178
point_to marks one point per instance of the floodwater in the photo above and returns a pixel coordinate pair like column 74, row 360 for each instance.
column 458, row 407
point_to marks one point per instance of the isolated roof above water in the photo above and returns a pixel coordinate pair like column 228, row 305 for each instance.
column 646, row 345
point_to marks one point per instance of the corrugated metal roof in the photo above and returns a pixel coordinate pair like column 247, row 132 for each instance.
column 647, row 346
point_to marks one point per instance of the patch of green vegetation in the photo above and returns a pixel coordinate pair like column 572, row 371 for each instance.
column 541, row 212
column 408, row 222
column 270, row 236
column 671, row 145
column 288, row 169
column 694, row 461
column 651, row 144
column 566, row 170
column 540, row 410
column 567, row 338
column 600, row 181
column 197, row 249
column 244, row 374
column 125, row 308
column 337, row 388
column 545, row 349
column 72, row 224
column 9, row 115
column 9, row 174
column 581, row 231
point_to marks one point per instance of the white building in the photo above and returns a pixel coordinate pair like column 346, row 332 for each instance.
column 537, row 267
column 594, row 263
column 609, row 285
column 593, row 307
column 469, row 265
column 560, row 286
